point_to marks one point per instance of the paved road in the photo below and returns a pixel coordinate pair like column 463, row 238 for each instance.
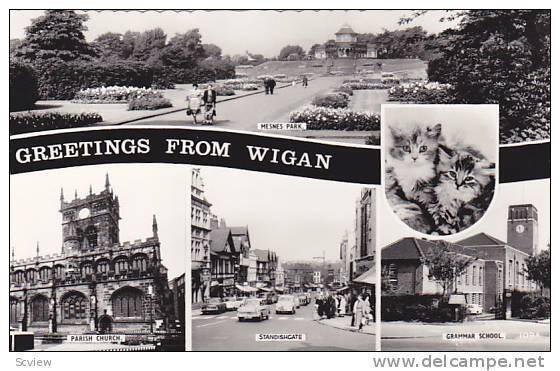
column 246, row 112
column 519, row 336
column 225, row 332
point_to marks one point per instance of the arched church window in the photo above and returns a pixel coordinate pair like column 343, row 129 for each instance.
column 74, row 306
column 102, row 266
column 14, row 310
column 140, row 262
column 127, row 302
column 18, row 277
column 31, row 275
column 45, row 274
column 59, row 271
column 40, row 309
column 91, row 235
column 87, row 269
column 121, row 265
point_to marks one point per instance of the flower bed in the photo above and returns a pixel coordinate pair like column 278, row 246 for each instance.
column 148, row 103
column 364, row 85
column 222, row 90
column 114, row 94
column 27, row 122
column 322, row 118
column 344, row 89
column 422, row 93
column 332, row 100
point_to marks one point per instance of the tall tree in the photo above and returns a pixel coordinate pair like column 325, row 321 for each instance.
column 56, row 34
column 212, row 50
column 445, row 265
column 110, row 45
column 291, row 50
column 149, row 44
column 184, row 50
column 538, row 269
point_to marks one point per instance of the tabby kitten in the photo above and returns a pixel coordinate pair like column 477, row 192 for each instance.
column 410, row 170
column 465, row 176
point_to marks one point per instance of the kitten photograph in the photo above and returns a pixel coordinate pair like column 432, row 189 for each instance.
column 439, row 164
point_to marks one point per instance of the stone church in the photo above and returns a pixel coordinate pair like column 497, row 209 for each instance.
column 95, row 283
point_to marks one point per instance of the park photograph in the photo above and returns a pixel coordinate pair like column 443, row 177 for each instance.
column 309, row 74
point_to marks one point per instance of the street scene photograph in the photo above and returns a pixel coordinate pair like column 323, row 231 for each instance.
column 97, row 259
column 483, row 289
column 311, row 74
column 278, row 264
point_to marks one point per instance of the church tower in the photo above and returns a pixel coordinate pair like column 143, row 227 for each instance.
column 522, row 228
column 91, row 222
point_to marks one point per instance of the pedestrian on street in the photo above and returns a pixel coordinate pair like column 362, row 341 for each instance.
column 194, row 102
column 359, row 312
column 272, row 84
column 341, row 306
column 304, row 81
column 352, row 300
column 266, row 83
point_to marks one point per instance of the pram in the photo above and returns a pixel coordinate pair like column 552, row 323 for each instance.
column 209, row 113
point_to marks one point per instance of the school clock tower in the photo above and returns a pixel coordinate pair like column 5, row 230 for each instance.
column 522, row 228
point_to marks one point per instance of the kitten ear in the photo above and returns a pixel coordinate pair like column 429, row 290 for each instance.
column 434, row 131
column 395, row 132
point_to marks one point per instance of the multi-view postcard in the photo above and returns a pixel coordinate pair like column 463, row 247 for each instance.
column 265, row 180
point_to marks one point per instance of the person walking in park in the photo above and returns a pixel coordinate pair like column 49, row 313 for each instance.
column 269, row 84
column 209, row 101
column 304, row 81
column 194, row 102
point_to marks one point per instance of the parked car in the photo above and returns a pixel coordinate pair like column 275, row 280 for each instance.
column 253, row 309
column 213, row 305
column 287, row 304
column 474, row 309
column 303, row 299
column 233, row 302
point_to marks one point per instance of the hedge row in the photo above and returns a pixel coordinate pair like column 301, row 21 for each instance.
column 148, row 103
column 114, row 94
column 27, row 122
column 23, row 86
column 321, row 118
column 424, row 308
column 332, row 100
column 62, row 80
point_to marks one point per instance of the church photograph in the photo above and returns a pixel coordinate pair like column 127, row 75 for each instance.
column 97, row 259
column 481, row 289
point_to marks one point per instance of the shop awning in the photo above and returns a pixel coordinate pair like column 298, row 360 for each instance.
column 265, row 289
column 342, row 289
column 246, row 288
column 369, row 277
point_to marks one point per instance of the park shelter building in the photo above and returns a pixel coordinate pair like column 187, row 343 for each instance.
column 346, row 45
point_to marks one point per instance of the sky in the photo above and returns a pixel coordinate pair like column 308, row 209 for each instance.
column 295, row 217
column 143, row 190
column 494, row 221
column 259, row 32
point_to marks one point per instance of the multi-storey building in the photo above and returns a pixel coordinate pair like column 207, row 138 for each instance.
column 95, row 283
column 365, row 233
column 200, row 239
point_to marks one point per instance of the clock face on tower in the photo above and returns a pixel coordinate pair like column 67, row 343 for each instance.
column 84, row 213
column 519, row 228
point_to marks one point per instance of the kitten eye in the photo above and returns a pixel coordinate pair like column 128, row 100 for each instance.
column 423, row 148
column 452, row 174
column 469, row 179
column 406, row 148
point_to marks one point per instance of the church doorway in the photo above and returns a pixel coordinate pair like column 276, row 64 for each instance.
column 105, row 324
